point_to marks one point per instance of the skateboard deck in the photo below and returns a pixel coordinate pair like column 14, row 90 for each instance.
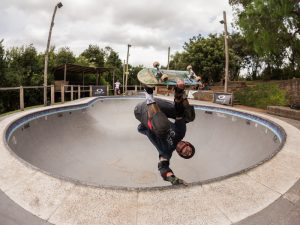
column 147, row 77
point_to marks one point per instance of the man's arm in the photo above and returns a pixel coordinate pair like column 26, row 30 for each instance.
column 167, row 174
column 183, row 108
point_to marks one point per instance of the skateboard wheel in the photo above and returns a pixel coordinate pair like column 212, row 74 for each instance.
column 164, row 77
column 156, row 64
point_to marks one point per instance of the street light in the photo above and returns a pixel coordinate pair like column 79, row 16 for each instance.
column 58, row 5
column 226, row 51
column 127, row 73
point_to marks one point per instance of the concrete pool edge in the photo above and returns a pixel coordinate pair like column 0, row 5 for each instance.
column 230, row 200
column 24, row 121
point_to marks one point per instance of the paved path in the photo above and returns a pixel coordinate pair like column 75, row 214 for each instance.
column 284, row 211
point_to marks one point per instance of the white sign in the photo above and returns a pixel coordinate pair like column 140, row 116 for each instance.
column 223, row 98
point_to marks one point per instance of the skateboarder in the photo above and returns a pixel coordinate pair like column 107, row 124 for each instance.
column 165, row 135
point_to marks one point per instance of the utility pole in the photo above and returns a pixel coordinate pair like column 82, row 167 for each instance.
column 123, row 84
column 127, row 73
column 168, row 67
column 224, row 21
column 58, row 5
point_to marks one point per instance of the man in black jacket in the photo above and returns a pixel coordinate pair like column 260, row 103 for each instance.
column 165, row 135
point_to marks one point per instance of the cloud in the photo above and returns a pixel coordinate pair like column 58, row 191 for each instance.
column 150, row 26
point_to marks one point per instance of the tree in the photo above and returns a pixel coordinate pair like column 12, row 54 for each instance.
column 2, row 64
column 64, row 56
column 24, row 66
column 95, row 55
column 206, row 55
column 82, row 61
column 112, row 60
column 247, row 57
column 271, row 28
column 178, row 61
column 133, row 71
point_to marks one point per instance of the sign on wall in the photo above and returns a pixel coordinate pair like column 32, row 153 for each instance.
column 223, row 98
column 99, row 90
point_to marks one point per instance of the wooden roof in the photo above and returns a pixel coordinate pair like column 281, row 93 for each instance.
column 82, row 69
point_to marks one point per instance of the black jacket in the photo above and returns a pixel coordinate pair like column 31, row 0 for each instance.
column 166, row 145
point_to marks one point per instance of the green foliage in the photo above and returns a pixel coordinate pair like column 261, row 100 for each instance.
column 112, row 60
column 95, row 55
column 261, row 96
column 132, row 78
column 271, row 29
column 22, row 62
column 207, row 57
column 64, row 56
column 25, row 66
column 81, row 60
column 2, row 65
column 102, row 81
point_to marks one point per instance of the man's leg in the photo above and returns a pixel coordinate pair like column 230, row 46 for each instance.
column 166, row 107
column 182, row 104
column 169, row 109
column 157, row 120
column 150, row 115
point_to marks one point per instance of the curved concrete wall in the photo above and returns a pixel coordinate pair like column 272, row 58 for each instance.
column 97, row 143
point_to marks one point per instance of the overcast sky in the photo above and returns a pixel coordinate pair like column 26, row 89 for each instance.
column 150, row 26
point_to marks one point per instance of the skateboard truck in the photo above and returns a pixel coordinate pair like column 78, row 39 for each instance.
column 159, row 75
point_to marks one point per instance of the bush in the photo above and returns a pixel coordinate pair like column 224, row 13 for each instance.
column 261, row 96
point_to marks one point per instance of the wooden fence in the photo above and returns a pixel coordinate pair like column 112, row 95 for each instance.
column 72, row 89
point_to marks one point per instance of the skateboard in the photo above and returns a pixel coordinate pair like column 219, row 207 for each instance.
column 148, row 77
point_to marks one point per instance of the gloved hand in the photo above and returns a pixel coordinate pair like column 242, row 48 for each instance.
column 180, row 84
column 179, row 91
column 175, row 180
column 149, row 90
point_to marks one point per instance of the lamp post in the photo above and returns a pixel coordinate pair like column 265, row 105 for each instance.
column 126, row 72
column 58, row 5
column 226, row 51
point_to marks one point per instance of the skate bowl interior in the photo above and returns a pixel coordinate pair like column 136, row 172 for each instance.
column 98, row 144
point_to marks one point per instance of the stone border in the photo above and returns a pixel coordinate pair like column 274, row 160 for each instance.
column 223, row 202
column 284, row 111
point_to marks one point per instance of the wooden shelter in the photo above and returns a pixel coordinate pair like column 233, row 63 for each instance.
column 64, row 73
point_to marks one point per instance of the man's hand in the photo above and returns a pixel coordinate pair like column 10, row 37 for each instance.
column 180, row 84
column 179, row 91
column 175, row 180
